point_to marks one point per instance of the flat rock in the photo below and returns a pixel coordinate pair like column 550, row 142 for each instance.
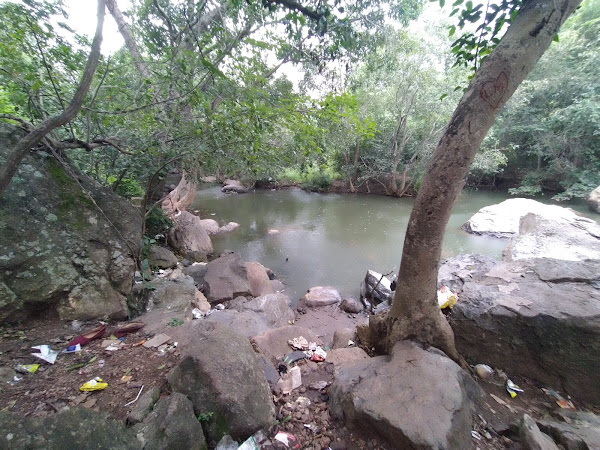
column 351, row 305
column 274, row 343
column 245, row 323
column 342, row 336
column 76, row 427
column 321, row 296
column 414, row 398
column 230, row 227
column 575, row 430
column 222, row 375
column 226, row 278
column 339, row 356
column 572, row 238
column 530, row 318
column 172, row 424
column 197, row 271
column 234, row 188
column 502, row 220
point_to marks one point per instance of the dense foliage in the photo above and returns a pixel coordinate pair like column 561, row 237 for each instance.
column 207, row 93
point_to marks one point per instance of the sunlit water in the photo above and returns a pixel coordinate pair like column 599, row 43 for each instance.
column 330, row 239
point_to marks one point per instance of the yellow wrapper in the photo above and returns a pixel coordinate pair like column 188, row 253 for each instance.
column 94, row 385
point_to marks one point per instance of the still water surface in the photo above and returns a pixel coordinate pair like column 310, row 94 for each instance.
column 330, row 239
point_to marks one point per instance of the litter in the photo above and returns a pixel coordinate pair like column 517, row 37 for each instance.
column 299, row 343
column 95, row 384
column 197, row 314
column 46, row 353
column 312, row 427
column 476, row 435
column 136, row 398
column 485, row 372
column 318, row 355
column 512, row 388
column 560, row 400
column 84, row 339
column 351, row 343
column 446, row 298
column 128, row 328
column 249, row 444
column 287, row 439
column 290, row 380
column 27, row 368
column 318, row 385
column 220, row 307
column 157, row 341
column 294, row 357
column 302, row 402
column 72, row 348
column 126, row 378
column 17, row 378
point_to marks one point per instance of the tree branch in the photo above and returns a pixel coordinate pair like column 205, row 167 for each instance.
column 20, row 150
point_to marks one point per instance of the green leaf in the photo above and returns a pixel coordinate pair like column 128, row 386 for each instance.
column 442, row 3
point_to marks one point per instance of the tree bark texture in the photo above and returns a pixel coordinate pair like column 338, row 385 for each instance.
column 415, row 312
column 34, row 137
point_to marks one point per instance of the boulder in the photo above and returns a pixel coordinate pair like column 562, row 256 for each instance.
column 575, row 430
column 258, row 279
column 197, row 271
column 454, row 272
column 257, row 315
column 143, row 406
column 77, row 427
column 531, row 436
column 277, row 286
column 161, row 258
column 339, row 356
column 350, row 305
column 231, row 226
column 574, row 238
column 274, row 343
column 226, row 278
column 502, row 220
column 234, row 188
column 210, row 225
column 320, row 296
column 342, row 336
column 66, row 241
column 232, row 182
column 222, row 375
column 209, row 179
column 189, row 237
column 593, row 200
column 201, row 302
column 172, row 424
column 414, row 398
column 536, row 318
column 172, row 295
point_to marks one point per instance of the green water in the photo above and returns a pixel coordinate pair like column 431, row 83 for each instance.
column 330, row 239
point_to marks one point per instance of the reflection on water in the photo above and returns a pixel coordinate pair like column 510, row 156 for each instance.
column 330, row 239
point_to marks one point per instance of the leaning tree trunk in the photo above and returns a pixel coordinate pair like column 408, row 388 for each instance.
column 34, row 137
column 415, row 312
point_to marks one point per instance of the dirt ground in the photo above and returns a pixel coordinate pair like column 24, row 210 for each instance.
column 304, row 413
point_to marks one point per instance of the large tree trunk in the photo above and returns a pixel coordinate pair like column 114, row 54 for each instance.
column 415, row 312
column 34, row 137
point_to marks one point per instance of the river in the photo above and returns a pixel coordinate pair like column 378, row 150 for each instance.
column 331, row 239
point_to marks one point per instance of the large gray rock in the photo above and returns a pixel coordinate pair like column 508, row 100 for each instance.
column 502, row 220
column 537, row 318
column 531, row 436
column 197, row 271
column 226, row 278
column 221, row 374
column 260, row 284
column 593, row 200
column 274, row 343
column 57, row 248
column 173, row 295
column 256, row 316
column 234, row 188
column 454, row 272
column 78, row 428
column 210, row 225
column 415, row 398
column 576, row 429
column 189, row 237
column 231, row 226
column 321, row 296
column 143, row 406
column 172, row 424
column 574, row 238
column 161, row 258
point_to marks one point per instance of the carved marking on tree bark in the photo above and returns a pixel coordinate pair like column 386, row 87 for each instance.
column 493, row 91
